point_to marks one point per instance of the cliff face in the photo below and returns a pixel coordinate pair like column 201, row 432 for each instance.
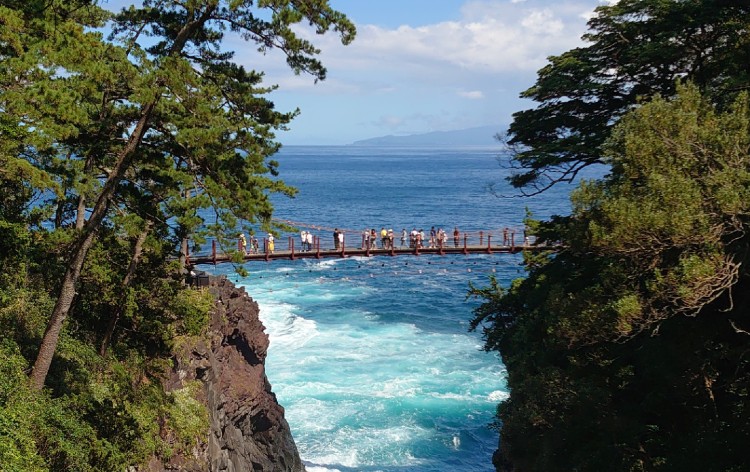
column 248, row 431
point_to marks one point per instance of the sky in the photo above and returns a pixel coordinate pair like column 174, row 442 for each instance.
column 418, row 66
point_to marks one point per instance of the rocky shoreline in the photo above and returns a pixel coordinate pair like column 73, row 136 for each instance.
column 248, row 431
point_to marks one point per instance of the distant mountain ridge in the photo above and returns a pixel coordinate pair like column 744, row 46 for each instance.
column 480, row 136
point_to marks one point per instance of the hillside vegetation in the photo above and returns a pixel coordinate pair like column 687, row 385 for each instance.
column 111, row 149
column 628, row 350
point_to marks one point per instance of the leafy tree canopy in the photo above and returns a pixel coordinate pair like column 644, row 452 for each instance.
column 158, row 122
column 112, row 152
column 627, row 350
column 636, row 49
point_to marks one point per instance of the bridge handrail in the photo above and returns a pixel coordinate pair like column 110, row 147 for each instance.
column 498, row 239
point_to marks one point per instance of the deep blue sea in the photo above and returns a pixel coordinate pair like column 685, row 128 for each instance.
column 371, row 357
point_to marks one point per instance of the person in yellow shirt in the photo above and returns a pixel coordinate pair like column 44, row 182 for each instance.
column 242, row 243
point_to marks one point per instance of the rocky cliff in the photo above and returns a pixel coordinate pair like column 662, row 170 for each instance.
column 248, row 431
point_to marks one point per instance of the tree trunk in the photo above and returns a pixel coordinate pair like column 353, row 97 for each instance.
column 59, row 211
column 78, row 257
column 184, row 247
column 134, row 261
column 61, row 201
column 81, row 210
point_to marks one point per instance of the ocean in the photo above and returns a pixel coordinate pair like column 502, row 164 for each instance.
column 371, row 357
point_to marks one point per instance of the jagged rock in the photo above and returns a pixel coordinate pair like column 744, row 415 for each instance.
column 248, row 431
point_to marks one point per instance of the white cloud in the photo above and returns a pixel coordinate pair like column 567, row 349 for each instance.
column 473, row 94
column 542, row 22
column 390, row 122
column 449, row 74
column 491, row 36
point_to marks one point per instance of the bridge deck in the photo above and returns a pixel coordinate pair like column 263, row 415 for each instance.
column 354, row 252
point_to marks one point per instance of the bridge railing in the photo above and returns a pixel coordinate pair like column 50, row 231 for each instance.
column 502, row 239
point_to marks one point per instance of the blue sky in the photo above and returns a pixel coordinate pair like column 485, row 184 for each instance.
column 421, row 65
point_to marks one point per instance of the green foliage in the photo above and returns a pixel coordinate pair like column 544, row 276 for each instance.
column 145, row 128
column 627, row 349
column 17, row 412
column 105, row 414
column 636, row 49
column 38, row 432
column 193, row 309
column 112, row 150
column 188, row 417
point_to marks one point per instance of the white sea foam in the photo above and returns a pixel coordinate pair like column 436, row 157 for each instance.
column 320, row 265
column 452, row 396
column 371, row 357
column 498, row 396
column 286, row 330
column 367, row 388
column 346, row 459
column 360, row 258
column 366, row 447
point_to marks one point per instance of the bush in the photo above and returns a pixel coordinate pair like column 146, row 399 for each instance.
column 193, row 308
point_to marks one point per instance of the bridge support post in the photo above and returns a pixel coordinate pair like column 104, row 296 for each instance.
column 291, row 248
column 265, row 249
column 466, row 250
column 512, row 241
column 489, row 244
column 213, row 251
column 317, row 246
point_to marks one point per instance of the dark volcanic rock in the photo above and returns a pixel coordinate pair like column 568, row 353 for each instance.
column 248, row 429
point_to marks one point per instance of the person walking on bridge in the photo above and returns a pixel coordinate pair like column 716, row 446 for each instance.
column 242, row 244
column 365, row 238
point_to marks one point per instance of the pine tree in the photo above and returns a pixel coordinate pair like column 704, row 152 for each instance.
column 627, row 350
column 158, row 112
column 635, row 49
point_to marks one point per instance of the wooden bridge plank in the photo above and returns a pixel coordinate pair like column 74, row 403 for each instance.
column 196, row 259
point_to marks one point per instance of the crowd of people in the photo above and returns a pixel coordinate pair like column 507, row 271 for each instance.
column 384, row 239
column 251, row 246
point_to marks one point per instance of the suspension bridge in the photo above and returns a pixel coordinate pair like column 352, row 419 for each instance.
column 323, row 242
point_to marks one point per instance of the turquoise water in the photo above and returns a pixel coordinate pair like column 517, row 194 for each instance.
column 371, row 357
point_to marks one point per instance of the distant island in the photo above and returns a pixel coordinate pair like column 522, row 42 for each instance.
column 481, row 136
